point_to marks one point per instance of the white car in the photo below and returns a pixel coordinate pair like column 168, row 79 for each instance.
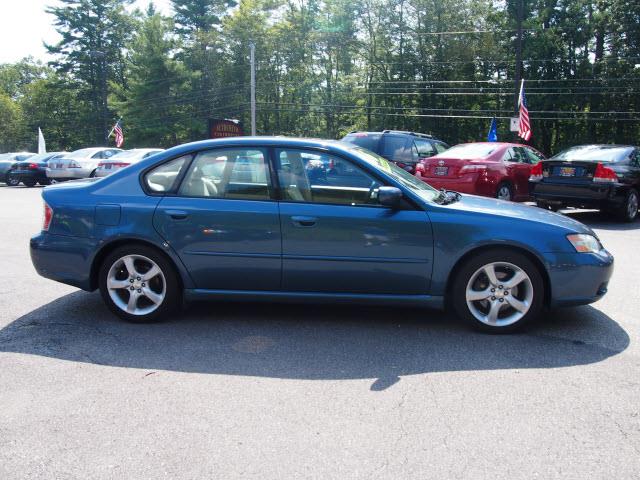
column 124, row 159
column 79, row 164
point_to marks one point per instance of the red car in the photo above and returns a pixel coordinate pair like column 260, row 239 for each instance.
column 490, row 169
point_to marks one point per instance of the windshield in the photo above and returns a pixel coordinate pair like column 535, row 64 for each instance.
column 407, row 180
column 471, row 150
column 85, row 152
column 595, row 153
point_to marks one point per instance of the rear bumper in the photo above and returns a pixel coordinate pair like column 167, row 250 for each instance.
column 579, row 278
column 35, row 175
column 579, row 196
column 63, row 258
column 471, row 184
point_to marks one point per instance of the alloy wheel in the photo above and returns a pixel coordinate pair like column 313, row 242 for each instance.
column 136, row 284
column 632, row 205
column 499, row 294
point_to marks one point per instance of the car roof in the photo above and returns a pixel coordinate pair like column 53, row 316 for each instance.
column 281, row 141
column 602, row 145
column 398, row 132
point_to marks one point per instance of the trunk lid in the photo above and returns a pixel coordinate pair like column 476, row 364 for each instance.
column 443, row 167
column 569, row 171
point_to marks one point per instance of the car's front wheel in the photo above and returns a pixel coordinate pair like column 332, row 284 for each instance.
column 498, row 291
column 139, row 284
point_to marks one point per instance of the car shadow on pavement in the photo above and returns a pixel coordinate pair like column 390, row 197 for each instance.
column 307, row 341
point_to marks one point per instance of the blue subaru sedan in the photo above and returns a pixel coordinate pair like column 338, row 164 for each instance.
column 282, row 219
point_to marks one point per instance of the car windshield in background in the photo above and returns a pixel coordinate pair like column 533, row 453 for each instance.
column 400, row 175
column 471, row 150
column 595, row 153
column 364, row 140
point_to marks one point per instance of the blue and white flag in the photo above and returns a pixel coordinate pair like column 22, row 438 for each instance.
column 493, row 131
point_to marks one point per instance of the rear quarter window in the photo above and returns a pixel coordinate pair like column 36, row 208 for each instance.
column 370, row 141
column 163, row 177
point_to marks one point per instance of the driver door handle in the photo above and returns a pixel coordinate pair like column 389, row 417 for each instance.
column 177, row 214
column 301, row 221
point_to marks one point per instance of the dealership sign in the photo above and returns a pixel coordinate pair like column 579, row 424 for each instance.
column 225, row 128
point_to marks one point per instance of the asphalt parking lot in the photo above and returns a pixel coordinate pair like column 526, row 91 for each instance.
column 276, row 391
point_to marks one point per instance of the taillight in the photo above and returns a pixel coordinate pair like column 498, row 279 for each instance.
column 33, row 166
column 604, row 174
column 73, row 164
column 535, row 175
column 473, row 168
column 121, row 164
column 101, row 164
column 420, row 169
column 48, row 215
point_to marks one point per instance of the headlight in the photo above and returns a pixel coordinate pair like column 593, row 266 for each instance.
column 584, row 243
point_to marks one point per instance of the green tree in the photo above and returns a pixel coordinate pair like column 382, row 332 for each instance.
column 155, row 109
column 95, row 34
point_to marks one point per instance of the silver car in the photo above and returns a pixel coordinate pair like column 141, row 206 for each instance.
column 124, row 159
column 79, row 164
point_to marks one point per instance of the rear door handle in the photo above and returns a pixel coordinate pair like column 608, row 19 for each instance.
column 300, row 221
column 177, row 214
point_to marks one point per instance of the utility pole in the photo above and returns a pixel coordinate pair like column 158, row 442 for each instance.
column 518, row 72
column 252, row 47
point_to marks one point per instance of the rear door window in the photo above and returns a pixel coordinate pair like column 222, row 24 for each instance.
column 236, row 173
column 393, row 148
column 425, row 148
column 533, row 157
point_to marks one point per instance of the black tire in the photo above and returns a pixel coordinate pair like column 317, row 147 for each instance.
column 92, row 174
column 44, row 183
column 458, row 297
column 29, row 183
column 173, row 294
column 12, row 180
column 503, row 188
column 628, row 212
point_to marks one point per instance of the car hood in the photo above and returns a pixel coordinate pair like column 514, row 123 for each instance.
column 520, row 211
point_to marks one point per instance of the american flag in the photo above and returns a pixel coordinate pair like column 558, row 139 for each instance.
column 524, row 127
column 117, row 129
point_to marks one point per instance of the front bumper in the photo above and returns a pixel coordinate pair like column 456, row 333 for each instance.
column 63, row 258
column 578, row 278
column 68, row 173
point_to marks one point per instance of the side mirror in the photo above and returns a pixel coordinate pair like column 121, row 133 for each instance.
column 389, row 196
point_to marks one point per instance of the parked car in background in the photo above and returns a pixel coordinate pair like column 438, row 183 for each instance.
column 240, row 218
column 404, row 149
column 32, row 171
column 8, row 160
column 79, row 164
column 606, row 177
column 490, row 169
column 123, row 159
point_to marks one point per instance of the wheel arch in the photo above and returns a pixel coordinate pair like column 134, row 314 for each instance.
column 116, row 243
column 514, row 248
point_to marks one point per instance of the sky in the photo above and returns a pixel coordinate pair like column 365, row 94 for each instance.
column 24, row 25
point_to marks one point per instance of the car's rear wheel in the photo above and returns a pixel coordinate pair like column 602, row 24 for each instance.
column 547, row 206
column 504, row 191
column 139, row 284
column 629, row 209
column 44, row 182
column 92, row 174
column 12, row 180
column 498, row 291
column 29, row 183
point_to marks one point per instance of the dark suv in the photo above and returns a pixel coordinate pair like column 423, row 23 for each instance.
column 402, row 148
